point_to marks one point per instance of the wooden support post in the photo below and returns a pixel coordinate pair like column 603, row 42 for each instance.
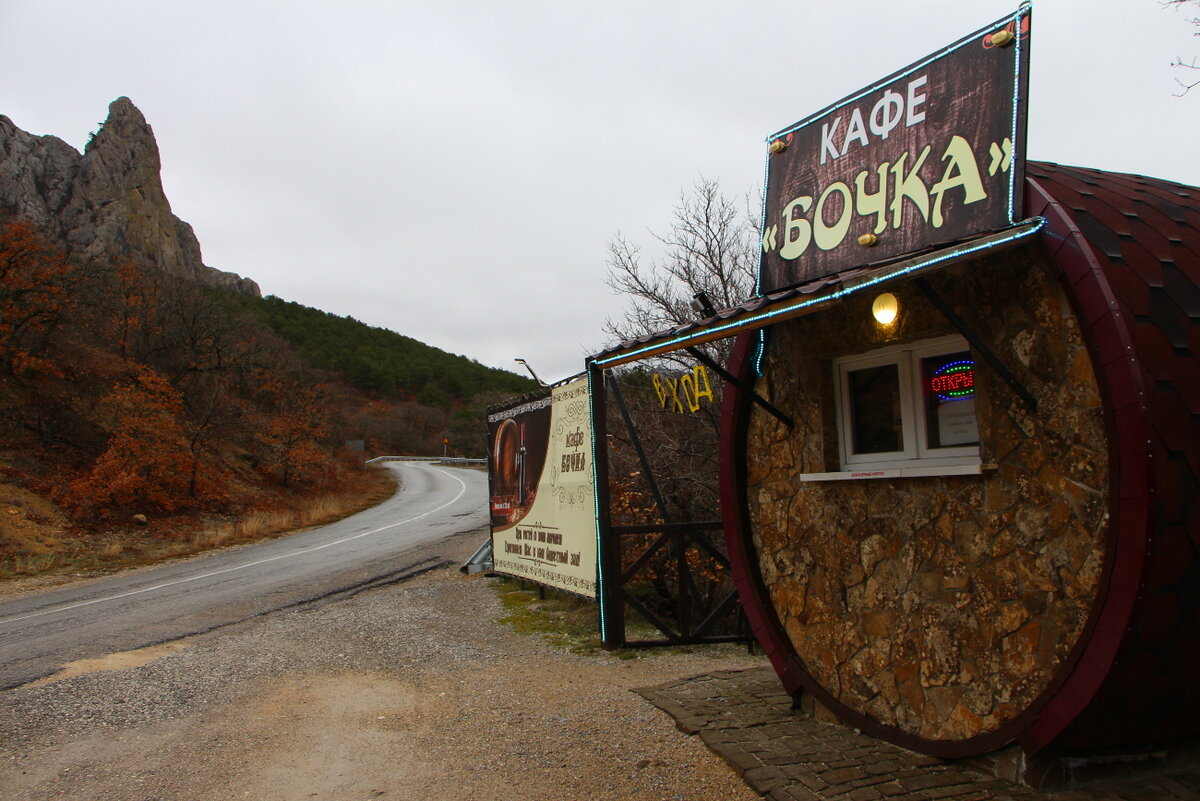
column 609, row 590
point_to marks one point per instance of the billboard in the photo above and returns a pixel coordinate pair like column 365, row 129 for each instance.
column 543, row 507
column 930, row 155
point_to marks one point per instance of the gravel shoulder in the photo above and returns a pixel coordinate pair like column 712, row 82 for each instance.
column 406, row 691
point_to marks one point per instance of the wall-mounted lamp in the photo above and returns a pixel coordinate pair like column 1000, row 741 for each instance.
column 885, row 308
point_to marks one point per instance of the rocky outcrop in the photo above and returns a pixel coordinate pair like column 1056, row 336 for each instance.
column 107, row 204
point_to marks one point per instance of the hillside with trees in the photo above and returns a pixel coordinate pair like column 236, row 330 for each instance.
column 376, row 360
column 130, row 394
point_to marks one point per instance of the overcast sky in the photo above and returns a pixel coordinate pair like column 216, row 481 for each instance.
column 452, row 169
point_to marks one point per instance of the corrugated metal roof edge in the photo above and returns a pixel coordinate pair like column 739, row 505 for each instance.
column 760, row 311
column 748, row 313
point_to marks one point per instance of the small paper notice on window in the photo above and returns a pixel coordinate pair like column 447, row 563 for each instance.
column 956, row 423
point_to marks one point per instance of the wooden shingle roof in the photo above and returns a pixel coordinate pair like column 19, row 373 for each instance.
column 1142, row 238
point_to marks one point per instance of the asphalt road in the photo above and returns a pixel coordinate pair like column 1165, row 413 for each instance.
column 397, row 539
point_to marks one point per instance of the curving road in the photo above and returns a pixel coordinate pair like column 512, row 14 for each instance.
column 388, row 543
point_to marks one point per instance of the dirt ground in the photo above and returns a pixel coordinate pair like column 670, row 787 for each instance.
column 412, row 691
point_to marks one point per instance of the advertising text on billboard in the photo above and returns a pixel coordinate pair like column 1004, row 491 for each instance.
column 542, row 490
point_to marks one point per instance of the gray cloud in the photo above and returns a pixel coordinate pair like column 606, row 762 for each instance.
column 452, row 170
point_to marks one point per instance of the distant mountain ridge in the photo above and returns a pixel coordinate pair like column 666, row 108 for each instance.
column 106, row 204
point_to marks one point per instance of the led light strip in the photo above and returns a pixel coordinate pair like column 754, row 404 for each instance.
column 1032, row 226
column 1012, row 168
column 966, row 40
column 592, row 374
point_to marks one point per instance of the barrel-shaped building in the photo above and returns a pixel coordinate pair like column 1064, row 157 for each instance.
column 976, row 524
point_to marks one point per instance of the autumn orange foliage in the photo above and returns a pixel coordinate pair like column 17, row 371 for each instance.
column 146, row 462
column 34, row 297
column 126, row 391
column 295, row 431
column 133, row 302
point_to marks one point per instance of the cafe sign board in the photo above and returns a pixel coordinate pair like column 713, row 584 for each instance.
column 928, row 156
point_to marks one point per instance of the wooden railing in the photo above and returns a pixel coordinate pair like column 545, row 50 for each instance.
column 675, row 576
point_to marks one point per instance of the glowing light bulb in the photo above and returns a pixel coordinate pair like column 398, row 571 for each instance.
column 885, row 308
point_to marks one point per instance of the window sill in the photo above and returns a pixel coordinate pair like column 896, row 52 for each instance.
column 908, row 471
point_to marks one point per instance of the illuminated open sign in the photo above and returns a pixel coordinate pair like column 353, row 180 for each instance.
column 954, row 381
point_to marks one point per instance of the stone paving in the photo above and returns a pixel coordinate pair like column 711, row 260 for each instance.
column 746, row 718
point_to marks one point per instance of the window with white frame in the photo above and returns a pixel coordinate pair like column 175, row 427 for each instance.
column 908, row 406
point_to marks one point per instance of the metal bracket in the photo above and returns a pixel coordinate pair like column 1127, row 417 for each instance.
column 742, row 385
column 977, row 344
column 615, row 390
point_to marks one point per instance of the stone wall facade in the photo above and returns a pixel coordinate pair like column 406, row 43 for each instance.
column 939, row 606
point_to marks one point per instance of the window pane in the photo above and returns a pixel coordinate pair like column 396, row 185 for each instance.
column 948, row 382
column 876, row 424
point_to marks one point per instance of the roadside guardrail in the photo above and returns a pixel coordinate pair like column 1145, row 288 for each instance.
column 438, row 459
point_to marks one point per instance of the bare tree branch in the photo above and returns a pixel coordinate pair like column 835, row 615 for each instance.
column 1186, row 84
column 711, row 247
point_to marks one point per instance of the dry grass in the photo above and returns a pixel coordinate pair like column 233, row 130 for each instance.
column 33, row 564
column 259, row 525
column 42, row 546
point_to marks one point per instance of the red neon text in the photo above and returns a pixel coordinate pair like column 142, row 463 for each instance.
column 952, row 382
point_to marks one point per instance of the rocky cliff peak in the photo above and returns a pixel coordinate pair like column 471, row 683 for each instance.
column 106, row 204
column 122, row 155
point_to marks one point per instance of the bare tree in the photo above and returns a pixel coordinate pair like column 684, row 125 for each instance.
column 712, row 247
column 1191, row 68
